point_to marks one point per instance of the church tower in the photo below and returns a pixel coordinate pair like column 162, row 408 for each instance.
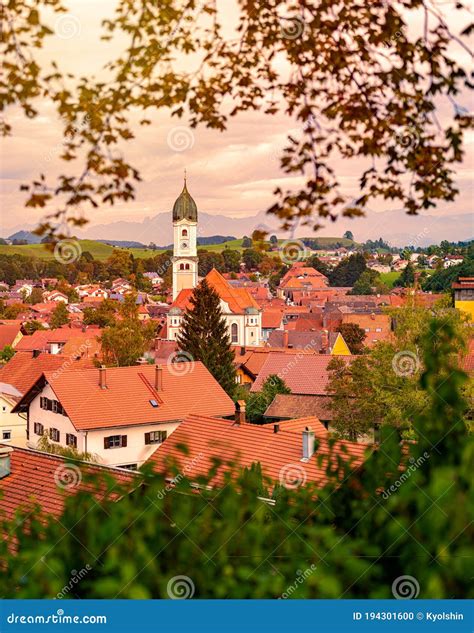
column 185, row 260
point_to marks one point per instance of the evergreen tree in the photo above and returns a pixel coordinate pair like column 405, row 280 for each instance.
column 407, row 278
column 348, row 271
column 204, row 336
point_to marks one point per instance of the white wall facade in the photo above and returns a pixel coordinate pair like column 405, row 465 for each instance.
column 185, row 263
column 92, row 441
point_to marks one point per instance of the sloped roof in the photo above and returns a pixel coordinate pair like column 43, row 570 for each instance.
column 289, row 405
column 33, row 481
column 298, row 425
column 303, row 374
column 238, row 299
column 272, row 318
column 8, row 334
column 245, row 444
column 23, row 370
column 126, row 400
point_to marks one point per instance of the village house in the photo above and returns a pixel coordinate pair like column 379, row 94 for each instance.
column 56, row 296
column 119, row 414
column 464, row 295
column 12, row 427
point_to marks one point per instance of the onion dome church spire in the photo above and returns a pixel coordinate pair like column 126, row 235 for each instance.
column 185, row 208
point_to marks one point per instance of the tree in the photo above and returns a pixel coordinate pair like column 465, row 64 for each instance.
column 59, row 316
column 442, row 279
column 258, row 403
column 35, row 297
column 6, row 353
column 348, row 271
column 208, row 261
column 127, row 339
column 349, row 235
column 407, row 277
column 231, row 260
column 252, row 258
column 273, row 240
column 354, row 336
column 317, row 264
column 102, row 315
column 204, row 336
column 246, row 242
column 33, row 326
column 384, row 118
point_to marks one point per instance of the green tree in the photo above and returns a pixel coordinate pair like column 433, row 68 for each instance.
column 407, row 277
column 6, row 353
column 59, row 316
column 35, row 297
column 317, row 264
column 204, row 336
column 231, row 260
column 258, row 403
column 246, row 242
column 209, row 260
column 354, row 336
column 348, row 271
column 127, row 339
column 349, row 235
column 102, row 315
column 252, row 258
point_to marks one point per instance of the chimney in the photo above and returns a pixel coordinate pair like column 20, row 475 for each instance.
column 239, row 412
column 5, row 461
column 308, row 443
column 285, row 338
column 324, row 341
column 276, row 428
column 158, row 378
column 243, row 351
column 102, row 377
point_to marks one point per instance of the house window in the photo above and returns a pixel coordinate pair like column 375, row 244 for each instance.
column 234, row 331
column 71, row 440
column 155, row 437
column 38, row 428
column 367, row 329
column 378, row 329
column 187, row 266
column 6, row 435
column 115, row 441
column 54, row 435
column 184, row 233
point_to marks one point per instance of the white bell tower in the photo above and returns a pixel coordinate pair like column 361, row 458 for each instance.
column 185, row 260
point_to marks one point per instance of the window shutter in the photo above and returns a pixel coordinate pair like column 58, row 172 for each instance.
column 124, row 441
column 106, row 442
column 147, row 438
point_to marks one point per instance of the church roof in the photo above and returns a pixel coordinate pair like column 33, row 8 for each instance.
column 185, row 208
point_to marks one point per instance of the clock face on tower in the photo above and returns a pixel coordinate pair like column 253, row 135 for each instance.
column 184, row 245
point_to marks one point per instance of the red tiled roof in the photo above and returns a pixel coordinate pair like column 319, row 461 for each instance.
column 207, row 437
column 8, row 334
column 298, row 425
column 303, row 373
column 76, row 342
column 23, row 370
column 33, row 481
column 272, row 318
column 288, row 405
column 126, row 401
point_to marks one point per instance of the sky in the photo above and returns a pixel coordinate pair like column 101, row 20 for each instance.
column 232, row 173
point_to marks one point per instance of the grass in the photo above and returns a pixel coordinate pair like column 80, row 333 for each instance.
column 101, row 251
column 390, row 278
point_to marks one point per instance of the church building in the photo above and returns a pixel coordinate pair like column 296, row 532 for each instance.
column 240, row 310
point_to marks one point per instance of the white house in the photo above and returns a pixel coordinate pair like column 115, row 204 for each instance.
column 12, row 425
column 119, row 414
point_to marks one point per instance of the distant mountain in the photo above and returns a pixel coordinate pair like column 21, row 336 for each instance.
column 123, row 243
column 31, row 238
column 215, row 239
column 395, row 226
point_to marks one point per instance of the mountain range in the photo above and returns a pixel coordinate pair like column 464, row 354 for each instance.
column 395, row 226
